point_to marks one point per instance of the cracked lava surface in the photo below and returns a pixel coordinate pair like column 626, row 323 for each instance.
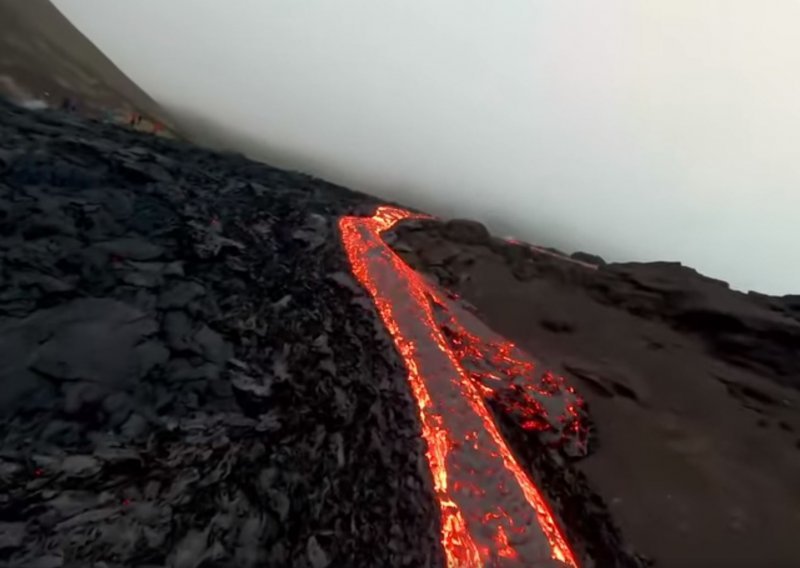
column 492, row 513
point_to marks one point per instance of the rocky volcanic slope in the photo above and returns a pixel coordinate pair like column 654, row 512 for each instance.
column 185, row 378
column 191, row 376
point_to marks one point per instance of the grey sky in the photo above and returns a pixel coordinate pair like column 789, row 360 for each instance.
column 639, row 130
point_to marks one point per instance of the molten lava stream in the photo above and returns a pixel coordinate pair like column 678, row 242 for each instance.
column 492, row 514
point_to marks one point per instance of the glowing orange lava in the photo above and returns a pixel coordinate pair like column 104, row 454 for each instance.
column 492, row 514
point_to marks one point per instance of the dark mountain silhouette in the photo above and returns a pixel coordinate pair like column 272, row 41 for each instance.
column 47, row 61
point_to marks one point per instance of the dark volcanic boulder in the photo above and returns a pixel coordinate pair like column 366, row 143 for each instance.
column 588, row 258
column 467, row 232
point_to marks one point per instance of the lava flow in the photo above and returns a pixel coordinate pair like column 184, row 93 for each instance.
column 492, row 514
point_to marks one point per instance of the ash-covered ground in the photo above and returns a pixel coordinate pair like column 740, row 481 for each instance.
column 191, row 376
column 693, row 388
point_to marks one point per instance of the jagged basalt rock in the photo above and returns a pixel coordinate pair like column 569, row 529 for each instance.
column 171, row 326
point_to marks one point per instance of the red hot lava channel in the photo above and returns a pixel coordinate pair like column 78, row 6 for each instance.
column 492, row 513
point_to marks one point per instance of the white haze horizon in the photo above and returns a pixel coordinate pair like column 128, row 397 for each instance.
column 638, row 131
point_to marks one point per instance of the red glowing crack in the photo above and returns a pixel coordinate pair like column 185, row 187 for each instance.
column 492, row 514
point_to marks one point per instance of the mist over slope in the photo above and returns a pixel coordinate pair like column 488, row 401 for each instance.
column 641, row 132
column 46, row 61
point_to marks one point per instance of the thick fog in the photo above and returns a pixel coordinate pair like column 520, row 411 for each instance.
column 665, row 130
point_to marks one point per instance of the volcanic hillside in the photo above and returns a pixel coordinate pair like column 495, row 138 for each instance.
column 692, row 387
column 46, row 61
column 191, row 373
column 207, row 361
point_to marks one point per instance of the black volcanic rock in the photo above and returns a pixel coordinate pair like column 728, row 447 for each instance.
column 734, row 326
column 466, row 231
column 588, row 257
column 101, row 341
column 132, row 248
column 183, row 379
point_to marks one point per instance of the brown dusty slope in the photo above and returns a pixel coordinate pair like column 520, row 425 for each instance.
column 693, row 388
column 44, row 58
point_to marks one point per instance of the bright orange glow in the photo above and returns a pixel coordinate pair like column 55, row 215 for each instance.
column 487, row 502
column 504, row 549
